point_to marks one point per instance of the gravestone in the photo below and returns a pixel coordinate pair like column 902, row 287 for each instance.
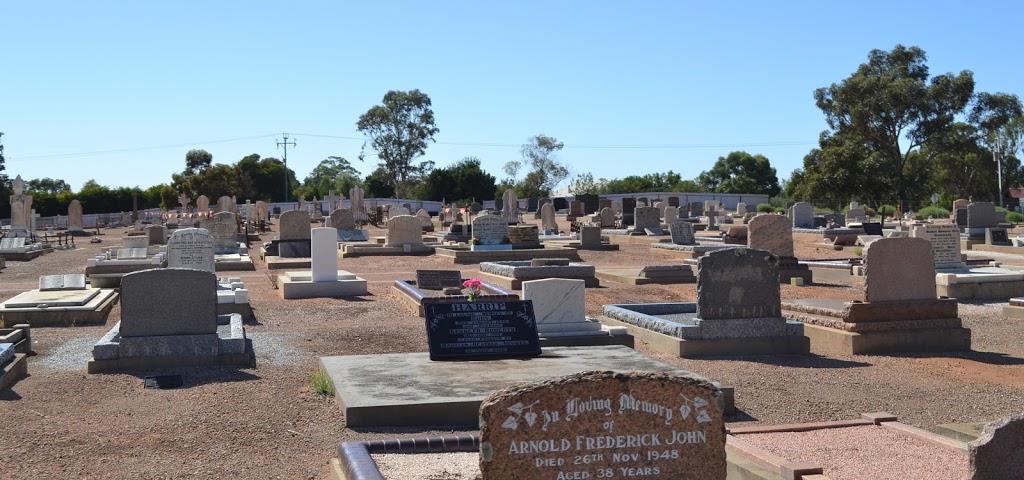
column 872, row 228
column 135, row 241
column 547, row 218
column 590, row 237
column 604, row 203
column 225, row 204
column 147, row 295
column 559, row 305
column 203, row 205
column 294, row 225
column 533, row 205
column 803, row 215
column 741, row 208
column 157, row 234
column 642, row 202
column 591, row 203
column 61, row 282
column 682, row 232
column 342, row 219
column 469, row 330
column 673, row 202
column 739, row 283
column 490, row 229
column 560, row 204
column 607, row 218
column 323, row 258
column 425, row 218
column 628, row 207
column 996, row 236
column 509, row 203
column 223, row 226
column 646, row 217
column 856, row 215
column 960, row 203
column 600, row 425
column 191, row 248
column 438, row 279
column 397, row 210
column 854, row 205
column 772, row 233
column 696, row 209
column 617, row 208
column 261, row 211
column 576, row 208
column 712, row 205
column 996, row 454
column 897, row 269
column 960, row 217
column 131, row 253
column 356, row 203
column 981, row 215
column 670, row 215
column 404, row 230
column 75, row 222
column 945, row 242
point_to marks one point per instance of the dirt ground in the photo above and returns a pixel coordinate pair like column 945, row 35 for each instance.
column 266, row 422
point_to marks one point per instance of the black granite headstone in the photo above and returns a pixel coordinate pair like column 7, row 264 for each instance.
column 628, row 206
column 872, row 228
column 532, row 204
column 438, row 279
column 560, row 204
column 473, row 330
column 819, row 222
column 294, row 248
column 591, row 203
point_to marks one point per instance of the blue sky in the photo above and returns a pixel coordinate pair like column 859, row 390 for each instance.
column 629, row 87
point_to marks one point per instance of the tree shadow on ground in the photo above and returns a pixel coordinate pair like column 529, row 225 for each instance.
column 809, row 360
column 990, row 358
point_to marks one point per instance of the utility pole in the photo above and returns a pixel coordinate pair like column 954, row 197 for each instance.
column 999, row 172
column 285, row 143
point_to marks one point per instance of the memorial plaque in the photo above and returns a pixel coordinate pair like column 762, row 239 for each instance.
column 872, row 228
column 191, row 248
column 131, row 253
column 996, row 236
column 490, row 229
column 945, row 240
column 16, row 242
column 438, row 279
column 604, row 425
column 481, row 330
column 62, row 282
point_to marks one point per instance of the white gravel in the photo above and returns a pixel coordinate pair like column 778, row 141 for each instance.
column 429, row 466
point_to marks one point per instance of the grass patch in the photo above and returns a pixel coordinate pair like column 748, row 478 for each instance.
column 320, row 384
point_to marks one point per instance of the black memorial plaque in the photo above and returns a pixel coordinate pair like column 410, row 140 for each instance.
column 872, row 228
column 438, row 279
column 478, row 330
column 998, row 236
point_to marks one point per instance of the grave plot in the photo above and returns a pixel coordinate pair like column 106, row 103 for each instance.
column 133, row 255
column 444, row 286
column 323, row 279
column 559, row 305
column 404, row 237
column 956, row 279
column 900, row 313
column 585, row 425
column 512, row 274
column 230, row 254
column 15, row 345
column 737, row 311
column 344, row 220
column 292, row 248
column 22, row 250
column 651, row 274
column 493, row 239
column 159, row 330
column 194, row 248
column 59, row 301
column 774, row 234
column 684, row 241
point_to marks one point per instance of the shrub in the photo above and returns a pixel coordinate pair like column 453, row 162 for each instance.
column 1014, row 217
column 858, row 251
column 765, row 208
column 780, row 210
column 887, row 210
column 320, row 385
column 933, row 212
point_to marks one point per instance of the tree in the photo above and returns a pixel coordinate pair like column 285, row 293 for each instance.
column 344, row 183
column 741, row 172
column 4, row 180
column 264, row 178
column 890, row 98
column 196, row 161
column 324, row 176
column 584, row 184
column 399, row 131
column 461, row 182
column 546, row 173
column 378, row 185
column 47, row 185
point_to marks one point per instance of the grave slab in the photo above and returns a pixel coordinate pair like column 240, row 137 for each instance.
column 407, row 389
column 59, row 308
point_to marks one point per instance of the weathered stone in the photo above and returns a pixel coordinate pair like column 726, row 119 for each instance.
column 960, row 203
column 682, row 232
column 995, row 455
column 136, row 241
column 547, row 217
column 490, row 229
column 773, row 233
column 546, row 262
column 509, row 203
column 203, row 204
column 897, row 269
column 945, row 242
column 425, row 218
column 74, row 281
column 670, row 215
column 294, row 225
column 223, row 226
column 607, row 218
column 802, row 215
column 226, row 204
column 590, row 236
column 604, row 425
column 343, row 219
column 191, row 248
column 147, row 297
column 739, row 283
column 404, row 230
column 75, row 223
column 646, row 217
column 157, row 234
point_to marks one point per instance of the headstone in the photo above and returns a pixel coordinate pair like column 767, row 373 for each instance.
column 342, row 219
column 591, row 203
column 673, row 202
column 945, row 242
column 490, row 229
column 576, row 208
column 617, row 207
column 628, row 207
column 897, row 269
column 803, row 215
column 356, row 203
column 981, row 215
column 509, row 203
column 404, row 230
column 224, row 229
column 590, row 237
column 323, row 260
column 547, row 217
column 772, row 233
column 960, row 217
column 872, row 228
column 157, row 234
column 696, row 209
column 75, row 223
column 671, row 214
column 559, row 305
column 856, row 215
column 604, row 203
column 261, row 211
column 481, row 330
column 741, row 208
column 711, row 205
column 996, row 236
column 682, row 232
column 62, row 282
column 397, row 210
column 425, row 218
column 560, row 203
column 203, row 205
column 131, row 253
column 225, row 204
column 960, row 203
column 191, row 248
column 146, row 297
column 136, row 241
column 854, row 205
column 995, row 455
column 607, row 218
column 602, row 425
column 646, row 217
column 739, row 283
column 294, row 225
column 438, row 279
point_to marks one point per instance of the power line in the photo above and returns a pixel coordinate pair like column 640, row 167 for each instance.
column 285, row 143
column 138, row 149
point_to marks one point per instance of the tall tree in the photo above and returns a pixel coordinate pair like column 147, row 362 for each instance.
column 891, row 98
column 741, row 172
column 461, row 182
column 48, row 185
column 265, row 177
column 324, row 176
column 399, row 131
column 546, row 171
column 197, row 160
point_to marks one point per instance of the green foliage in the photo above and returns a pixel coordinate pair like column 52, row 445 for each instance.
column 48, row 185
column 933, row 212
column 324, row 176
column 887, row 210
column 378, row 185
column 765, row 208
column 344, row 183
column 399, row 131
column 196, row 161
column 858, row 251
column 780, row 210
column 1014, row 217
column 320, row 384
column 652, row 182
column 263, row 179
column 584, row 184
column 546, row 171
column 462, row 182
column 741, row 172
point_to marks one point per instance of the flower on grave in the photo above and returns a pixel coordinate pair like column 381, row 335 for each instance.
column 475, row 286
column 475, row 241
